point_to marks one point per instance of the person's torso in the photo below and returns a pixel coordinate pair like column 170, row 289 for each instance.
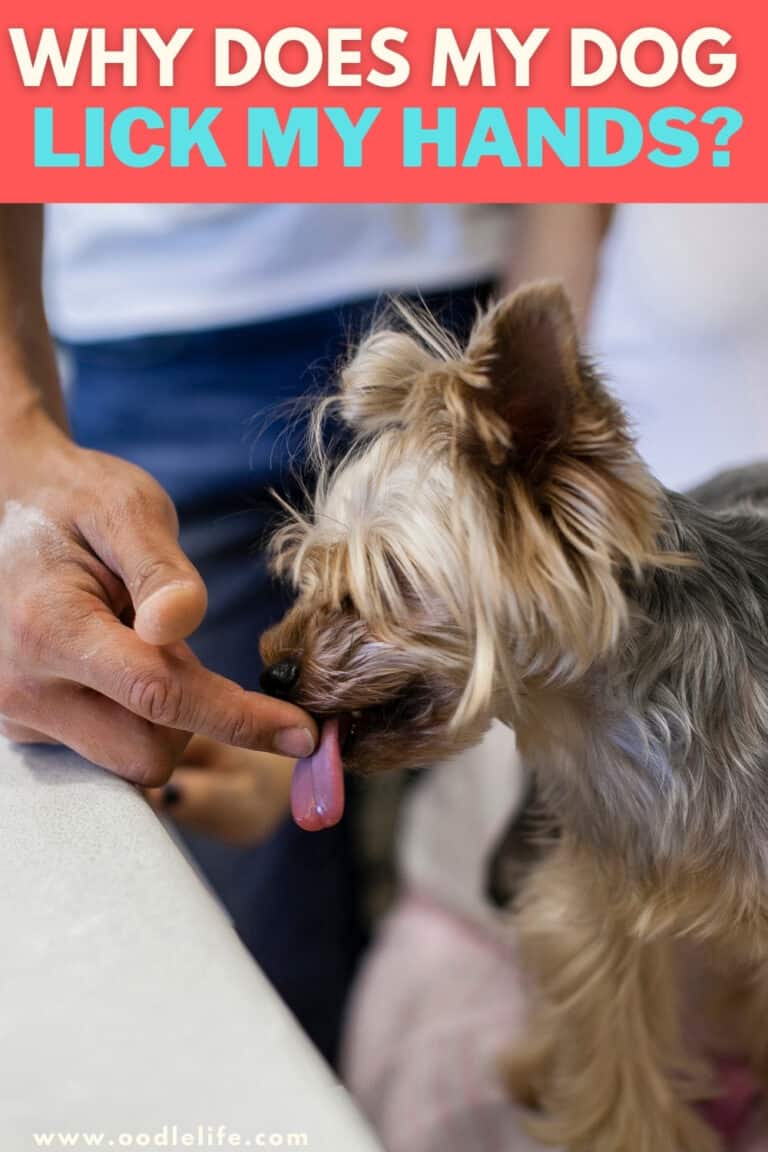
column 117, row 270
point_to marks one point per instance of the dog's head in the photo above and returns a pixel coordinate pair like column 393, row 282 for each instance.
column 472, row 540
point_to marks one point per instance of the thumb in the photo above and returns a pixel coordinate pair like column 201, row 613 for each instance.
column 172, row 601
column 167, row 592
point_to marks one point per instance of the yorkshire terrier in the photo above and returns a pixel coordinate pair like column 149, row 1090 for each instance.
column 492, row 545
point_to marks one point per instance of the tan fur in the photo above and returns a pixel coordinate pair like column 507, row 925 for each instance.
column 608, row 1067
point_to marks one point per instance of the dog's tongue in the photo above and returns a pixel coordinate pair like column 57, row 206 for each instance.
column 317, row 792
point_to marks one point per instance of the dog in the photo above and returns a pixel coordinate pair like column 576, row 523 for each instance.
column 490, row 544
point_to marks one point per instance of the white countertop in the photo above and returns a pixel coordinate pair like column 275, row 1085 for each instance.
column 127, row 1003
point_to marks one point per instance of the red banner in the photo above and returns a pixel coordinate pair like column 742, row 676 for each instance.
column 438, row 102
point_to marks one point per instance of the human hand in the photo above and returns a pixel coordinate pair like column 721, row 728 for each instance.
column 230, row 794
column 96, row 600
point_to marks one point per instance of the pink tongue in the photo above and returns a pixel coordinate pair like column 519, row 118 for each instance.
column 317, row 791
column 739, row 1094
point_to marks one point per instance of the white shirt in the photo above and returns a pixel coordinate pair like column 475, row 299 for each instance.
column 680, row 329
column 115, row 270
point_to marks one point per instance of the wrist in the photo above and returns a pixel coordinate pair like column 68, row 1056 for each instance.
column 32, row 445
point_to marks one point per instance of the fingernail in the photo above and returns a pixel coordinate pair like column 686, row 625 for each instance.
column 296, row 742
column 171, row 796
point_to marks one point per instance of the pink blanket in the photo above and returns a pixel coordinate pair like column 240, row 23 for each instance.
column 438, row 1000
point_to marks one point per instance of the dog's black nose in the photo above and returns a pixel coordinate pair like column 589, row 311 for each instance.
column 281, row 679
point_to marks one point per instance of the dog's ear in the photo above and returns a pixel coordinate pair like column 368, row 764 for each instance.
column 526, row 348
column 513, row 389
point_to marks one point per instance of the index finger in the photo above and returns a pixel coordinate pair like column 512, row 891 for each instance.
column 170, row 687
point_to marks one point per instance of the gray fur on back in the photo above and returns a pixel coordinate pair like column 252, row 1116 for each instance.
column 672, row 768
column 733, row 487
